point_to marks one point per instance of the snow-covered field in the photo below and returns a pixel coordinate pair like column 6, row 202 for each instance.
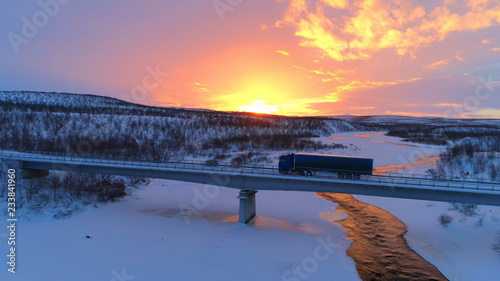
column 148, row 237
column 182, row 231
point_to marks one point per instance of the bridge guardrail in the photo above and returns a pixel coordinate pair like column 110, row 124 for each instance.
column 202, row 166
column 124, row 158
column 203, row 162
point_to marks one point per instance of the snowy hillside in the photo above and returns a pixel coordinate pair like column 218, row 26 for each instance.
column 63, row 100
column 64, row 122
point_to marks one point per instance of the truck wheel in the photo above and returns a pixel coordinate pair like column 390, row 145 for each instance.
column 348, row 176
column 341, row 176
column 356, row 177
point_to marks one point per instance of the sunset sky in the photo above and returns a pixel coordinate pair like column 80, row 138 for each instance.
column 292, row 57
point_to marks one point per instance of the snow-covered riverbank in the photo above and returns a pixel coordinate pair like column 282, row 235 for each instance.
column 461, row 251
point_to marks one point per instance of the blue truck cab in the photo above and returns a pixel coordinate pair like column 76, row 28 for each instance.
column 285, row 165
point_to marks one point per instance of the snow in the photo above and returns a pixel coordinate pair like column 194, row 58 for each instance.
column 183, row 231
column 462, row 251
column 151, row 238
column 383, row 149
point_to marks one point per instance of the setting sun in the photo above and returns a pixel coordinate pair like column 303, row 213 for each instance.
column 258, row 107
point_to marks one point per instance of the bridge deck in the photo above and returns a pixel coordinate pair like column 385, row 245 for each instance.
column 263, row 178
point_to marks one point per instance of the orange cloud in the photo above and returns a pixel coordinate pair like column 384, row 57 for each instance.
column 338, row 75
column 198, row 87
column 411, row 114
column 285, row 53
column 441, row 63
column 354, row 85
column 337, row 3
column 482, row 14
column 459, row 58
column 478, row 4
column 496, row 49
column 373, row 25
column 437, row 64
column 447, row 105
column 316, row 33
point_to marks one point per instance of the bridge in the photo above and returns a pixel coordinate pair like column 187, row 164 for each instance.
column 251, row 179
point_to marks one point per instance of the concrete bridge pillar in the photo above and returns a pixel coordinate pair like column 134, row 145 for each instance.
column 247, row 205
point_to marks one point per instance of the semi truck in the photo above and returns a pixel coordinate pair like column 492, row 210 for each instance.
column 309, row 164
